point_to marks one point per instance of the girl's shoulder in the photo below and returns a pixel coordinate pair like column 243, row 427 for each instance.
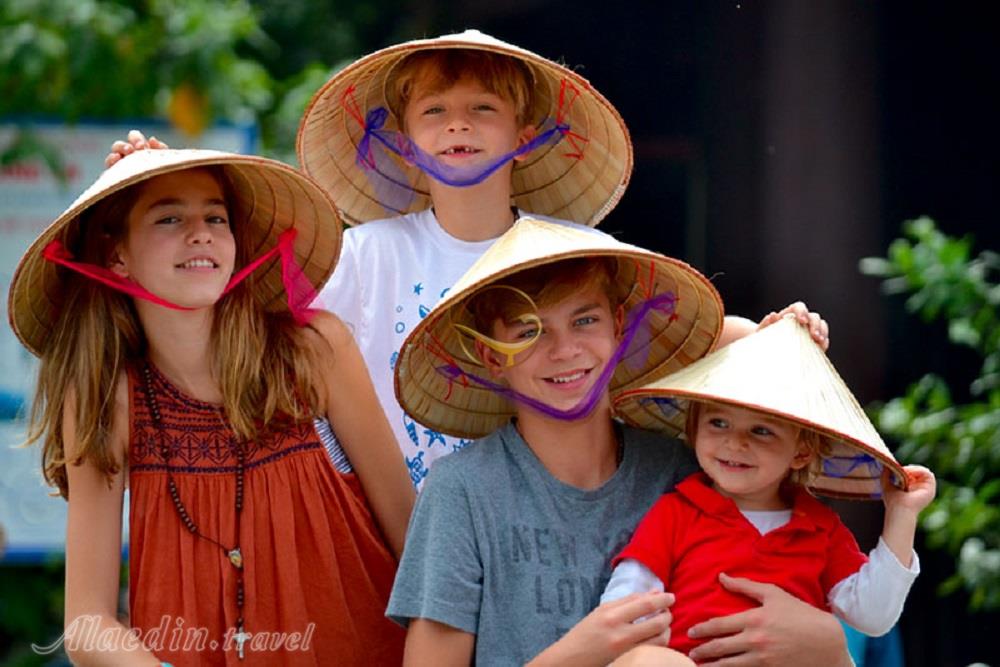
column 117, row 440
column 330, row 328
column 330, row 344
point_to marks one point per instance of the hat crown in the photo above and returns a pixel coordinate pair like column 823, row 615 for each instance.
column 781, row 371
column 531, row 239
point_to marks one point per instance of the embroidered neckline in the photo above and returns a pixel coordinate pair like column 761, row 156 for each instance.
column 177, row 394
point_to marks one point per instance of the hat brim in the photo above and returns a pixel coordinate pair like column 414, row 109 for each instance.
column 271, row 195
column 549, row 181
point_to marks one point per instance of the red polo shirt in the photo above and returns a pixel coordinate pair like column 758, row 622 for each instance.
column 693, row 534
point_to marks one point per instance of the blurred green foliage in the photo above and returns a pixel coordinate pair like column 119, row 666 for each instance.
column 31, row 612
column 191, row 61
column 108, row 59
column 959, row 441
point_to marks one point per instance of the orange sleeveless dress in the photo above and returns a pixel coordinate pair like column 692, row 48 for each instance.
column 317, row 573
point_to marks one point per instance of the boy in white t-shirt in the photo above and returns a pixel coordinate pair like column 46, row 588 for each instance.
column 468, row 101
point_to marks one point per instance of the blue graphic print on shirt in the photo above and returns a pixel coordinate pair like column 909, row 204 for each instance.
column 417, row 468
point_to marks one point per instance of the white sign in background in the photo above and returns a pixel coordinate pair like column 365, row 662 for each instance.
column 30, row 199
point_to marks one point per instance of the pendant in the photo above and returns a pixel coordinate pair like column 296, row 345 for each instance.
column 236, row 558
column 240, row 637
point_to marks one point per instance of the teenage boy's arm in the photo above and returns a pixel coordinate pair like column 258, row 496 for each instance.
column 611, row 630
column 432, row 643
column 438, row 588
column 783, row 631
column 735, row 327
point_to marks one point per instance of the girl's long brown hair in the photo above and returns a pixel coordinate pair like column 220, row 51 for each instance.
column 262, row 361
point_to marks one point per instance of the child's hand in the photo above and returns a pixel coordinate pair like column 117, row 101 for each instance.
column 818, row 328
column 136, row 141
column 903, row 507
column 922, row 485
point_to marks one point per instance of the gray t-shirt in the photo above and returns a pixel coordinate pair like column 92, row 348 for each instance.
column 500, row 548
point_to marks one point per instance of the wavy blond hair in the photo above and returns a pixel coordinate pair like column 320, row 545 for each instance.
column 264, row 364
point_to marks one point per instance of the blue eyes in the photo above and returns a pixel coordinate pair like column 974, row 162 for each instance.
column 579, row 322
column 580, row 325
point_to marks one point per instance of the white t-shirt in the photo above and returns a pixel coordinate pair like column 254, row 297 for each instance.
column 391, row 273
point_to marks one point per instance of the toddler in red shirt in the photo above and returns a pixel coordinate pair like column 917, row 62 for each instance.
column 770, row 420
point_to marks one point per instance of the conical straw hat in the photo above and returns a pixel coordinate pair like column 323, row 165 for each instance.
column 470, row 411
column 270, row 197
column 548, row 182
column 781, row 371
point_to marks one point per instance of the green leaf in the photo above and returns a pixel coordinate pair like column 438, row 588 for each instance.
column 942, row 280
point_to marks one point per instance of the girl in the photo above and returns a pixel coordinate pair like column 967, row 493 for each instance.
column 168, row 370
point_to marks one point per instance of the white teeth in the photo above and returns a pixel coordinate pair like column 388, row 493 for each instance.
column 459, row 149
column 568, row 378
column 198, row 264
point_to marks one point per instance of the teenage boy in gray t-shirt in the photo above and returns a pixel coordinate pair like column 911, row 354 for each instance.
column 510, row 540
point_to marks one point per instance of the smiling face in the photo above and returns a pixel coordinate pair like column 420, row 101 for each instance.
column 578, row 336
column 747, row 454
column 463, row 124
column 178, row 243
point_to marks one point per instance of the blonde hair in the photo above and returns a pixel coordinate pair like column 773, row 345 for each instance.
column 817, row 444
column 263, row 362
column 440, row 69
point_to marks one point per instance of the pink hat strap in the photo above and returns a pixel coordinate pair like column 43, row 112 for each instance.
column 57, row 253
column 299, row 291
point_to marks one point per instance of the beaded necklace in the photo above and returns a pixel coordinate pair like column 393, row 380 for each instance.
column 233, row 554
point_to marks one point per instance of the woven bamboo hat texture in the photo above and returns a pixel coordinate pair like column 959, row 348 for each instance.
column 270, row 197
column 781, row 371
column 470, row 411
column 547, row 182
